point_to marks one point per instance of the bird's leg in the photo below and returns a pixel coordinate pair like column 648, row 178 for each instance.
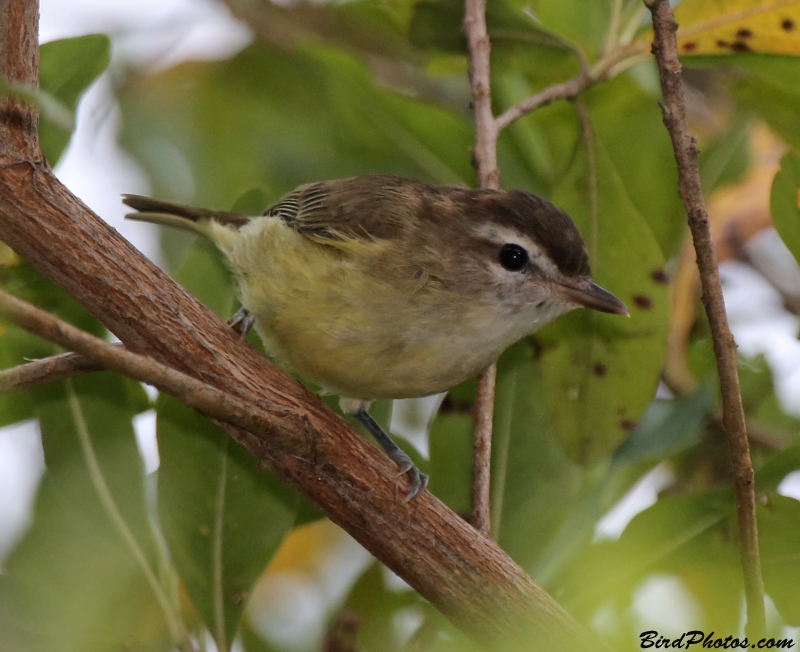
column 418, row 479
column 242, row 322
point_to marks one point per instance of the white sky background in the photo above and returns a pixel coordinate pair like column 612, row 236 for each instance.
column 160, row 33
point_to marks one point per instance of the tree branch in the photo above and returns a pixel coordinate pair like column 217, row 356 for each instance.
column 465, row 575
column 484, row 160
column 565, row 91
column 47, row 370
column 685, row 147
column 572, row 88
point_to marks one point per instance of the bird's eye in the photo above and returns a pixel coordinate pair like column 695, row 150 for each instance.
column 513, row 257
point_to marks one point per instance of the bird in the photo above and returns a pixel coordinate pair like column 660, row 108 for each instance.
column 385, row 287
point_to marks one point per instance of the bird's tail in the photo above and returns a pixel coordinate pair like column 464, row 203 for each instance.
column 200, row 220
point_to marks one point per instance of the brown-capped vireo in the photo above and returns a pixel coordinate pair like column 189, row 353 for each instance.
column 385, row 287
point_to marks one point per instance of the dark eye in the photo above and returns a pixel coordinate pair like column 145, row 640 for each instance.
column 513, row 257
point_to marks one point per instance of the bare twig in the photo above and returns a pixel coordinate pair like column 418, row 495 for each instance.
column 342, row 633
column 685, row 147
column 484, row 159
column 565, row 91
column 190, row 391
column 572, row 88
column 485, row 152
column 482, row 415
column 47, row 370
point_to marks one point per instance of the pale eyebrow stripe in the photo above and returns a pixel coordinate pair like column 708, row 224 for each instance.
column 500, row 235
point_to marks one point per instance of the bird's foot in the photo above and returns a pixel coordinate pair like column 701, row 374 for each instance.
column 242, row 322
column 419, row 480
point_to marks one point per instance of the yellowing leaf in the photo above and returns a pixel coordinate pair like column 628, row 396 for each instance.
column 729, row 26
column 7, row 256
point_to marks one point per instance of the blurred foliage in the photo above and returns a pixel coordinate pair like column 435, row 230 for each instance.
column 117, row 560
column 67, row 68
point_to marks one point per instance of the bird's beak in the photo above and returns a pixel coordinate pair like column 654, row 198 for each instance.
column 588, row 294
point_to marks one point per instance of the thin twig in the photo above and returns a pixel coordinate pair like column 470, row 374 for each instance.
column 190, row 391
column 47, row 370
column 565, row 91
column 484, row 159
column 342, row 633
column 482, row 416
column 685, row 147
column 485, row 152
column 572, row 88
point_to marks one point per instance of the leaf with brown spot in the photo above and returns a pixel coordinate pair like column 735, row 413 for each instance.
column 722, row 26
column 659, row 276
column 583, row 405
column 705, row 24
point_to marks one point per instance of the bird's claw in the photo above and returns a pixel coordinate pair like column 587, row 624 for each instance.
column 242, row 322
column 419, row 480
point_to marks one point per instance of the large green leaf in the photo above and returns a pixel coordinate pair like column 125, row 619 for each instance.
column 86, row 576
column 767, row 86
column 450, row 448
column 785, row 202
column 376, row 605
column 600, row 371
column 687, row 535
column 622, row 112
column 778, row 525
column 534, row 483
column 274, row 119
column 223, row 518
column 585, row 24
column 67, row 68
column 667, row 427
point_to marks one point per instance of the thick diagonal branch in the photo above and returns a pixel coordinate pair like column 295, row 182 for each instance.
column 685, row 147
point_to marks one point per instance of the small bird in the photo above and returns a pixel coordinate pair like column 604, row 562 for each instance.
column 380, row 286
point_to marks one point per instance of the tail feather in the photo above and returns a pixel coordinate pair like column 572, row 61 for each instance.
column 185, row 217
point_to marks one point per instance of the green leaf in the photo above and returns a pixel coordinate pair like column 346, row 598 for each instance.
column 687, row 535
column 533, row 481
column 450, row 448
column 67, row 68
column 290, row 118
column 450, row 445
column 581, row 23
column 86, row 575
column 376, row 606
column 667, row 427
column 781, row 464
column 726, row 158
column 778, row 525
column 223, row 518
column 785, row 202
column 622, row 112
column 767, row 86
column 600, row 371
column 50, row 108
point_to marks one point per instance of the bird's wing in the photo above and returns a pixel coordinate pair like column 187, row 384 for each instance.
column 375, row 207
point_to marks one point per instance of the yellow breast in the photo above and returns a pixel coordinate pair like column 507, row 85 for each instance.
column 339, row 318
